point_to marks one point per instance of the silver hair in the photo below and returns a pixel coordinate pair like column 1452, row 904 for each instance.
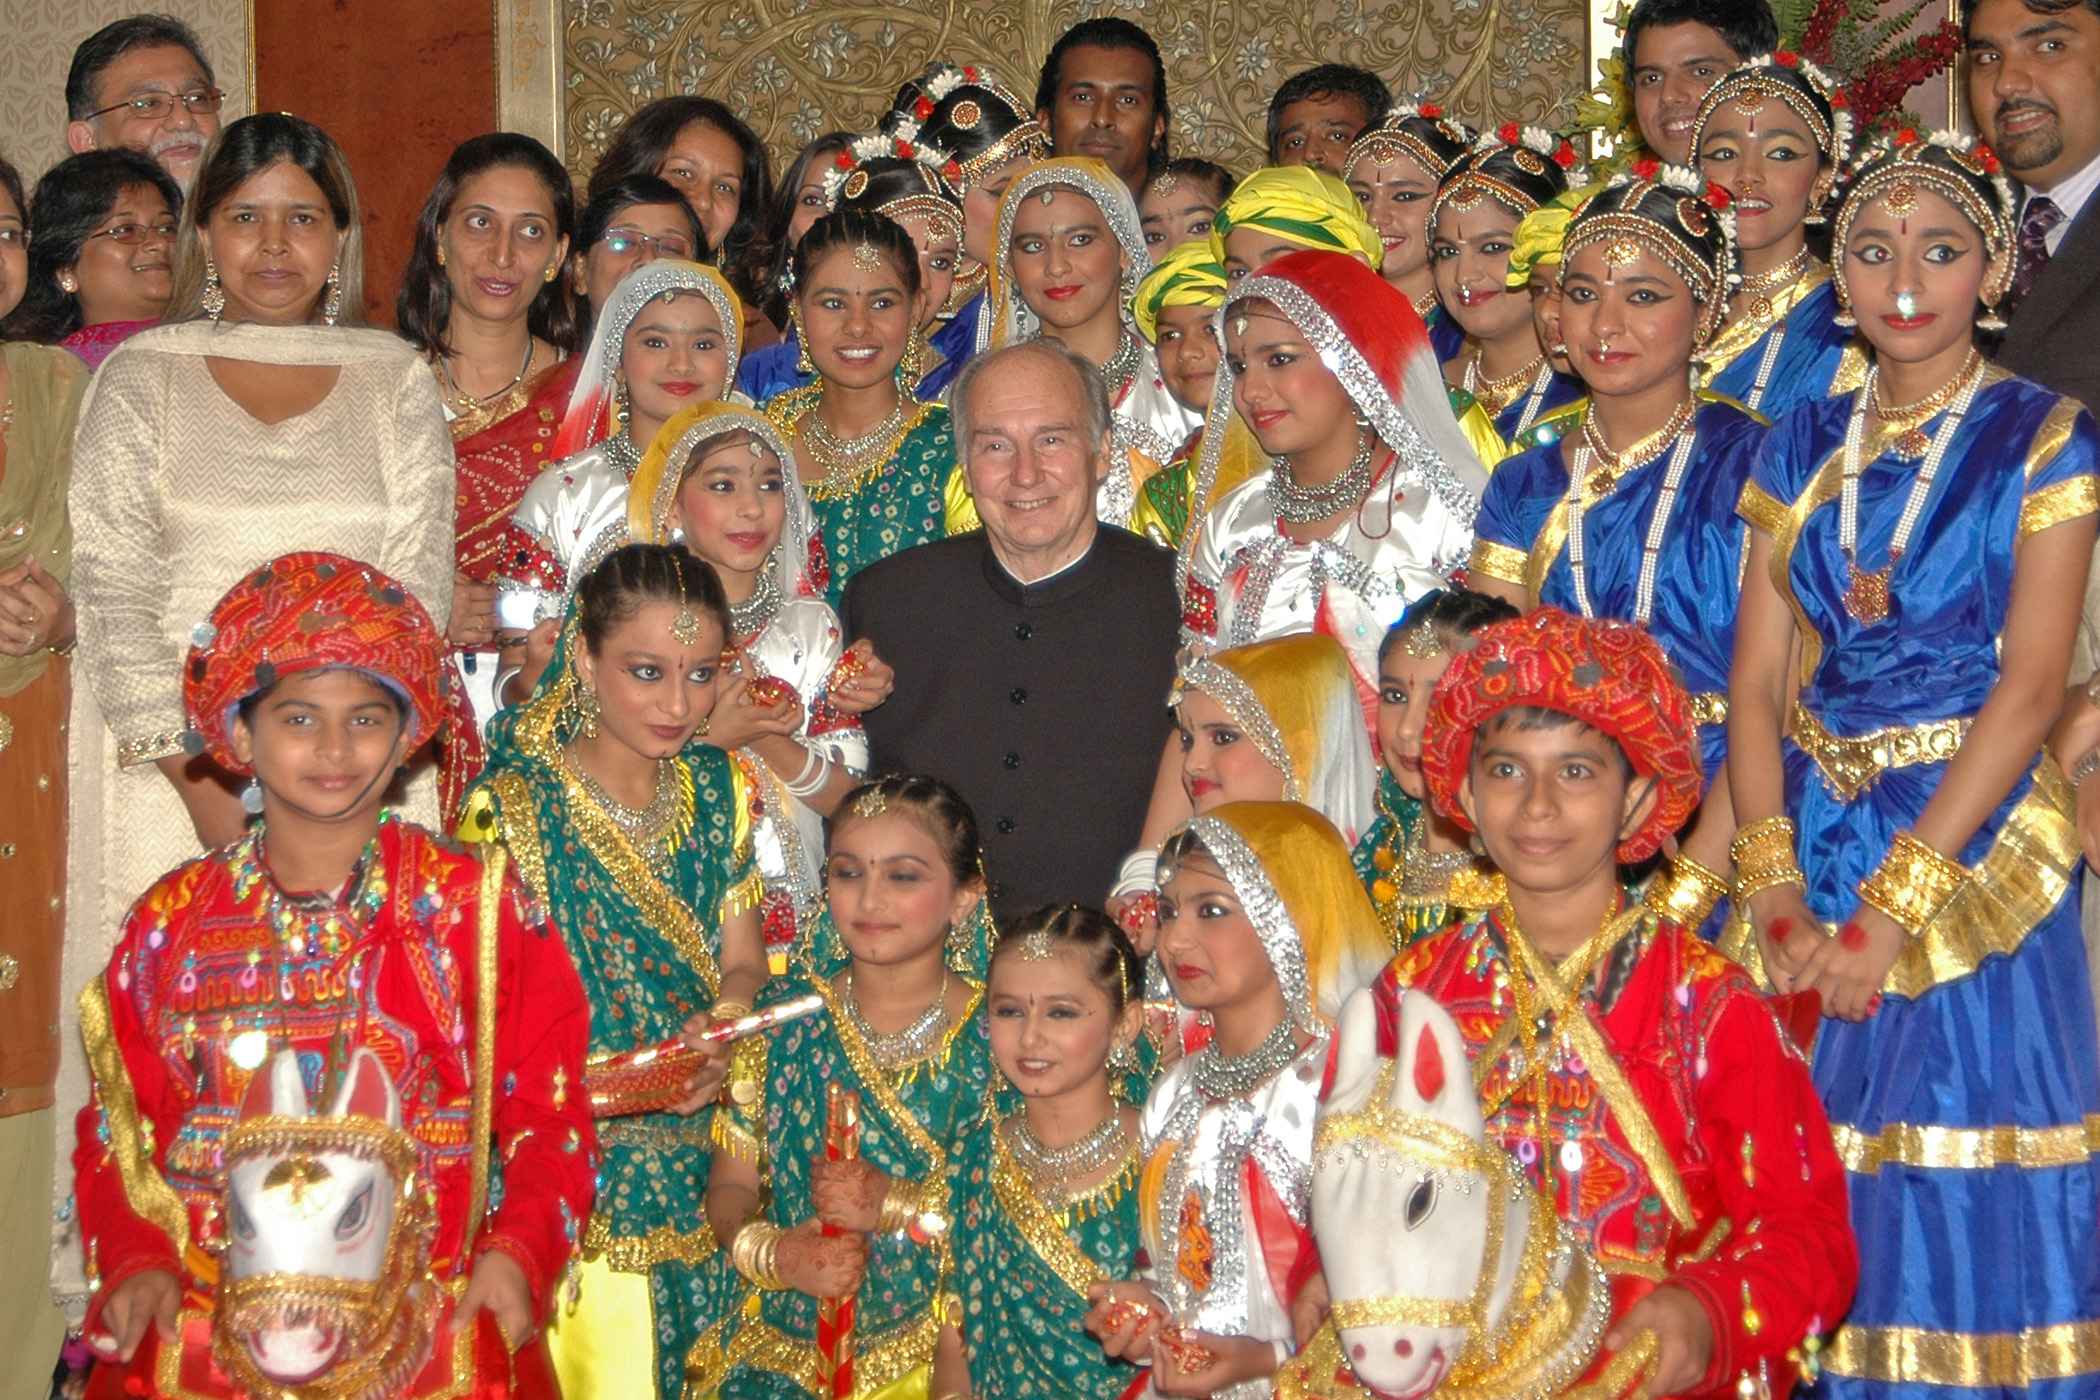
column 1093, row 389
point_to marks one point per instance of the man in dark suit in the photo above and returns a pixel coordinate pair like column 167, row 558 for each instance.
column 1033, row 657
column 2034, row 85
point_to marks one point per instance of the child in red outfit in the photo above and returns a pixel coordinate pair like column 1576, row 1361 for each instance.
column 332, row 929
column 1683, row 1139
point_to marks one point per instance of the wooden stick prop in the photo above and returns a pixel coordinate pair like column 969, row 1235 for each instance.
column 835, row 1315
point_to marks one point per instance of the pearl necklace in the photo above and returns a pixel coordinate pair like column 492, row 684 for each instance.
column 1681, row 428
column 1867, row 594
column 1301, row 505
column 1217, row 1076
column 888, row 1049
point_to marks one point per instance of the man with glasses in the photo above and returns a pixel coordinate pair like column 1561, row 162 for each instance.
column 144, row 83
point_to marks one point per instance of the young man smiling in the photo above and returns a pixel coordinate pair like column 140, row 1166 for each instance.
column 1676, row 50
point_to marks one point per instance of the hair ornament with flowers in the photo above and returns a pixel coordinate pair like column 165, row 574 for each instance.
column 1687, row 221
column 1806, row 89
column 1519, row 167
column 848, row 175
column 1537, row 141
column 1421, row 131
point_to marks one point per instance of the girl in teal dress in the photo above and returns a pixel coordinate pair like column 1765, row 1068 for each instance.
column 1414, row 864
column 1048, row 1206
column 872, row 457
column 898, row 958
column 1917, row 556
column 638, row 847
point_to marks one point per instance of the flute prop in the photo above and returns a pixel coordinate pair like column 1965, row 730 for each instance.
column 653, row 1079
column 835, row 1315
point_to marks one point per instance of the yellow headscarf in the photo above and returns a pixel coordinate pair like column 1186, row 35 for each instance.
column 1011, row 319
column 1295, row 697
column 1292, row 873
column 1309, row 207
column 1190, row 275
column 1541, row 234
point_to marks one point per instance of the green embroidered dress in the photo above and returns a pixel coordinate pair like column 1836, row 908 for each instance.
column 874, row 514
column 1026, row 1263
column 1415, row 890
column 644, row 931
column 915, row 1122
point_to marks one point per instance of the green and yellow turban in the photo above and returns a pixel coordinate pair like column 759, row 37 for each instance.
column 1188, row 276
column 1307, row 206
column 1541, row 234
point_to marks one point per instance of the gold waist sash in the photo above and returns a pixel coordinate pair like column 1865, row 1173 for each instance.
column 1850, row 765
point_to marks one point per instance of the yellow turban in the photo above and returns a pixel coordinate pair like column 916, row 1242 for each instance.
column 1187, row 276
column 1541, row 234
column 1307, row 206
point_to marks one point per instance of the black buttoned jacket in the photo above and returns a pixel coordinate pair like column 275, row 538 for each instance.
column 1044, row 705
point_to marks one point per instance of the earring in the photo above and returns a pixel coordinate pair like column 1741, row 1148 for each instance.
column 620, row 413
column 332, row 304
column 441, row 255
column 213, row 301
column 1990, row 320
column 1845, row 320
column 587, row 711
column 252, row 797
column 553, row 271
column 66, row 284
column 803, row 365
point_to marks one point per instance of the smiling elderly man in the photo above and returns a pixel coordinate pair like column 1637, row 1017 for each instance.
column 144, row 82
column 1033, row 657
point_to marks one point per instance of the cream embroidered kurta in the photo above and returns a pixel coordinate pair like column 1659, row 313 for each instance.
column 177, row 493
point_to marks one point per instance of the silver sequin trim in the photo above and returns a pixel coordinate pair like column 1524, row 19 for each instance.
column 1245, row 707
column 1265, row 908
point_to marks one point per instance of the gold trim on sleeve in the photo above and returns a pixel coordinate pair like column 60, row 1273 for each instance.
column 1498, row 562
column 1757, row 506
column 145, row 1189
column 1966, row 1149
column 2053, row 505
column 149, row 748
column 1980, row 1360
column 2049, row 439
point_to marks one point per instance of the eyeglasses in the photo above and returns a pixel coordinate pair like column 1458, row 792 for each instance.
column 131, row 235
column 621, row 240
column 158, row 106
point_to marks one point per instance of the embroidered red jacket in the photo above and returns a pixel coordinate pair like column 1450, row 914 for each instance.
column 1769, row 1251
column 210, row 969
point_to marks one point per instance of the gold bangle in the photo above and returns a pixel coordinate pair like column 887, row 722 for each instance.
column 1913, row 883
column 753, row 1254
column 729, row 1011
column 1686, row 893
column 1764, row 857
column 914, row 1208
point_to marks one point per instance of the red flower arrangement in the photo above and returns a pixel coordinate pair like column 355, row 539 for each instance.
column 1880, row 66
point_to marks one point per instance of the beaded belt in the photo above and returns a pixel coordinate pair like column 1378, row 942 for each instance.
column 1710, row 708
column 1850, row 765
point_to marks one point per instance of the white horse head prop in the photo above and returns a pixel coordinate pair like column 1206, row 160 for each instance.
column 1445, row 1267
column 324, row 1291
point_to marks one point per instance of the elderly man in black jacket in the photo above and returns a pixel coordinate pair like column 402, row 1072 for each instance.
column 1033, row 657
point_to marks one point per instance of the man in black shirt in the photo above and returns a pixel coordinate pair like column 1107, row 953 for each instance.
column 1033, row 657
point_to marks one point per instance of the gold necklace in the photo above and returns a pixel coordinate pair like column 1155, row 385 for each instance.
column 1494, row 395
column 1907, row 423
column 468, row 403
column 848, row 462
column 1761, row 287
column 1617, row 464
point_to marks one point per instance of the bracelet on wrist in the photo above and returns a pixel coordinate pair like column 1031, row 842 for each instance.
column 2085, row 768
column 1913, row 883
column 1763, row 852
column 729, row 1011
column 753, row 1254
column 913, row 1208
column 1685, row 891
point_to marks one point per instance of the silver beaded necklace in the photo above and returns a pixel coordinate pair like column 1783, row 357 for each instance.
column 1301, row 505
column 1219, row 1076
column 915, row 1042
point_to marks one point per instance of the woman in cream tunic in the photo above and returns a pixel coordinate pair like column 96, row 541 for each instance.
column 253, row 425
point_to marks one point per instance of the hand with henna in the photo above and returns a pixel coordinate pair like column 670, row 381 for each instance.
column 1788, row 934
column 847, row 1195
column 823, row 1266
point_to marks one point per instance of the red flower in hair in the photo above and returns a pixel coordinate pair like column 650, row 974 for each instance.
column 1842, row 98
column 843, row 160
column 970, row 73
column 1564, row 156
column 1647, row 168
column 1716, row 197
column 1988, row 158
column 1431, row 110
column 953, row 170
column 1509, row 133
column 905, row 151
column 923, row 108
column 1908, row 136
column 1786, row 60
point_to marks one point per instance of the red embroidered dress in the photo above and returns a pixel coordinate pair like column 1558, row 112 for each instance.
column 215, row 966
column 1767, row 1249
column 501, row 450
